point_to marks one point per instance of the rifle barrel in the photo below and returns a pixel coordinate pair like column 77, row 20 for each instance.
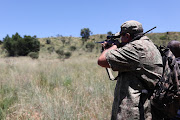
column 100, row 42
column 150, row 30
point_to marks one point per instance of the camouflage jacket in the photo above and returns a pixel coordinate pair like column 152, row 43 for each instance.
column 139, row 62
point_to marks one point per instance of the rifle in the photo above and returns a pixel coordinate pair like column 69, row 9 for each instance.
column 112, row 39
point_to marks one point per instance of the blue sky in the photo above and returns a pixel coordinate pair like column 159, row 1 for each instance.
column 46, row 18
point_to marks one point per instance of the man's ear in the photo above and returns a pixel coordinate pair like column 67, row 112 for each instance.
column 128, row 36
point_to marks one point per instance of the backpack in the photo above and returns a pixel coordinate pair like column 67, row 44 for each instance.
column 166, row 94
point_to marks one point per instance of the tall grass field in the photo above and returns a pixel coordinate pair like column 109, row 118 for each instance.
column 51, row 89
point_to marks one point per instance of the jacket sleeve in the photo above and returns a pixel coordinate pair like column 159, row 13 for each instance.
column 123, row 59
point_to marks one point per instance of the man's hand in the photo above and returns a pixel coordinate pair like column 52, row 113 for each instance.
column 107, row 45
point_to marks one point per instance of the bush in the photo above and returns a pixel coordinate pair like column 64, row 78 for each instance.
column 101, row 36
column 50, row 49
column 60, row 52
column 72, row 48
column 67, row 55
column 34, row 55
column 18, row 46
column 48, row 41
column 90, row 46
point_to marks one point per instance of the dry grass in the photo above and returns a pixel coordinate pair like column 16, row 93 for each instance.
column 50, row 89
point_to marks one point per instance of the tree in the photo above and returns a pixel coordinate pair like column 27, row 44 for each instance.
column 85, row 33
column 18, row 46
column 1, row 42
column 109, row 33
column 9, row 45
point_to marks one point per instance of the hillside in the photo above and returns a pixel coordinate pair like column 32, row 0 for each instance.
column 164, row 38
column 68, row 43
column 74, row 45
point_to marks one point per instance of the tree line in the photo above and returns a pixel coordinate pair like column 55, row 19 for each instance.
column 17, row 45
column 21, row 46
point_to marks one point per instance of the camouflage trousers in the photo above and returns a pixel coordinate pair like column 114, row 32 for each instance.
column 126, row 103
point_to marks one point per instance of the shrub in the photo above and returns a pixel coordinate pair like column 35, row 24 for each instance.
column 101, row 36
column 90, row 46
column 72, row 48
column 60, row 52
column 50, row 49
column 34, row 55
column 48, row 41
column 67, row 55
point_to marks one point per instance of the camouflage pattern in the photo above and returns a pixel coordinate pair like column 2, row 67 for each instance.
column 138, row 65
column 178, row 61
column 132, row 27
column 161, row 99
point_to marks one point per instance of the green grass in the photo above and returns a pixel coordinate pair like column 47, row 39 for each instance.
column 8, row 96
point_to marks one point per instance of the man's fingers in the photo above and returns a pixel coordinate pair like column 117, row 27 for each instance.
column 104, row 44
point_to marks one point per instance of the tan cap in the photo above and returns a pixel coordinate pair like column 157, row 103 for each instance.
column 132, row 27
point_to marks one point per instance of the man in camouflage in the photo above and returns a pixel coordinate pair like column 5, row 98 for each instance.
column 139, row 64
column 174, row 46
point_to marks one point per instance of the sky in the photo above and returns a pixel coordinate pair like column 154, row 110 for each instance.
column 46, row 18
